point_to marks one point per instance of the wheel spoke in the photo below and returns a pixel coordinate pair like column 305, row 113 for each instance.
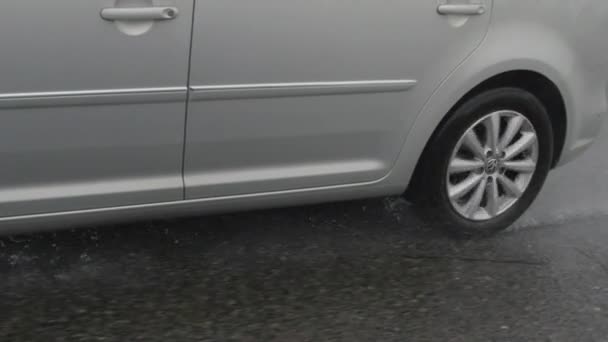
column 463, row 188
column 492, row 124
column 471, row 141
column 526, row 140
column 459, row 165
column 511, row 188
column 513, row 127
column 525, row 166
column 474, row 202
column 492, row 198
column 492, row 165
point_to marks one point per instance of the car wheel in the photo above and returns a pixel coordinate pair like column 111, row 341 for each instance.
column 486, row 164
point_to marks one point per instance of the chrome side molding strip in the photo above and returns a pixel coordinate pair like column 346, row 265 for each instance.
column 266, row 90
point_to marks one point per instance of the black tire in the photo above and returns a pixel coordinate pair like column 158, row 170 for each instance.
column 428, row 189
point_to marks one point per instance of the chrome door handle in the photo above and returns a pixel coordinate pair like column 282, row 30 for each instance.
column 139, row 13
column 463, row 9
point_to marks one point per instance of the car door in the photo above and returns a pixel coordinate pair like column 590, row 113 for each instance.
column 92, row 103
column 301, row 94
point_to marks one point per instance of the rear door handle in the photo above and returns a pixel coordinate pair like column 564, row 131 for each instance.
column 463, row 9
column 139, row 13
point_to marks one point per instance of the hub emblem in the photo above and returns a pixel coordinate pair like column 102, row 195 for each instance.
column 491, row 165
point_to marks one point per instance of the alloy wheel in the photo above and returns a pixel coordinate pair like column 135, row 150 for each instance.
column 492, row 165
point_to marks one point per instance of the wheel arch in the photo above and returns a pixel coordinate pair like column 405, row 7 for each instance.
column 538, row 85
column 535, row 82
column 509, row 56
column 535, row 78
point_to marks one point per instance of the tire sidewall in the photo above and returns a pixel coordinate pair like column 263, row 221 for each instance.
column 450, row 134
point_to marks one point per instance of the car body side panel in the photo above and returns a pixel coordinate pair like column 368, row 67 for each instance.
column 525, row 35
column 90, row 115
column 292, row 95
column 448, row 34
column 73, row 157
column 65, row 45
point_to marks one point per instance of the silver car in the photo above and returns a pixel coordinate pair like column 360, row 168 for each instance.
column 124, row 109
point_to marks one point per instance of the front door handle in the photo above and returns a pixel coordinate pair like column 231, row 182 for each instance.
column 139, row 13
column 463, row 9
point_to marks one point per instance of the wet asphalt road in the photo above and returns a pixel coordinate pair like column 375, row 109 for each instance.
column 357, row 271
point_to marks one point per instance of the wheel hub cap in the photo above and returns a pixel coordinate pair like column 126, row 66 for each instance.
column 491, row 165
